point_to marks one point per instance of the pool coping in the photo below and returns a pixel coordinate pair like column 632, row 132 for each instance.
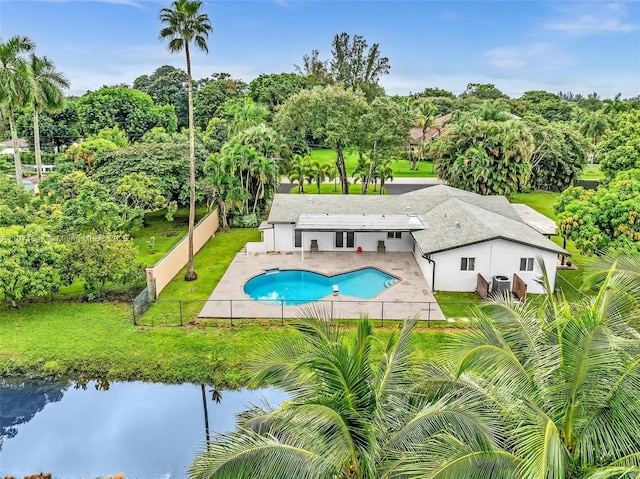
column 410, row 297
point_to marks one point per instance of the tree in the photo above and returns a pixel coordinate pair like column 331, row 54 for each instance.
column 184, row 24
column 602, row 219
column 426, row 116
column 356, row 65
column 558, row 157
column 102, row 261
column 317, row 173
column 561, row 379
column 16, row 86
column 299, row 170
column 15, row 203
column 329, row 114
column 486, row 157
column 57, row 129
column 594, row 127
column 436, row 93
column 166, row 163
column 30, row 263
column 167, row 85
column 620, row 147
column 384, row 172
column 483, row 91
column 314, row 69
column 348, row 415
column 47, row 95
column 83, row 155
column 211, row 100
column 132, row 111
column 274, row 89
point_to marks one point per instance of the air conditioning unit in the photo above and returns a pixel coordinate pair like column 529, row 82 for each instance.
column 500, row 283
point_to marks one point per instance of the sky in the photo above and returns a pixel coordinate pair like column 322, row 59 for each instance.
column 578, row 46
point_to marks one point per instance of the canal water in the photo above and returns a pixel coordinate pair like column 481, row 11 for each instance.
column 97, row 429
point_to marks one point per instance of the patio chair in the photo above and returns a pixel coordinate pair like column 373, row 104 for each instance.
column 381, row 247
column 314, row 246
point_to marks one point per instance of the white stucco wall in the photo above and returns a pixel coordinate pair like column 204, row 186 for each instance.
column 285, row 240
column 425, row 266
column 497, row 257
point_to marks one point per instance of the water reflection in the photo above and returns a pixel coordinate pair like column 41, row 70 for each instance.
column 142, row 430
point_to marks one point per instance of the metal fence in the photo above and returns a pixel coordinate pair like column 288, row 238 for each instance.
column 141, row 303
column 174, row 312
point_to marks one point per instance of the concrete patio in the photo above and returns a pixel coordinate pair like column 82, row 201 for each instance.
column 410, row 297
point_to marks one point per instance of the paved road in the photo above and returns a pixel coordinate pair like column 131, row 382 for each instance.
column 396, row 187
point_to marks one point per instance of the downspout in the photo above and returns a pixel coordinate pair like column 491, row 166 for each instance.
column 427, row 256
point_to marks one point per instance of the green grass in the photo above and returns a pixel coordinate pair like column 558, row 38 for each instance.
column 591, row 172
column 456, row 305
column 400, row 167
column 331, row 189
column 166, row 233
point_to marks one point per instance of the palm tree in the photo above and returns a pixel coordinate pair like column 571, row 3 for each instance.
column 348, row 415
column 384, row 172
column 318, row 173
column 185, row 24
column 563, row 379
column 593, row 127
column 299, row 170
column 16, row 86
column 47, row 96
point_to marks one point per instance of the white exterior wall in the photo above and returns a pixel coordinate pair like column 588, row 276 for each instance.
column 497, row 257
column 425, row 266
column 284, row 240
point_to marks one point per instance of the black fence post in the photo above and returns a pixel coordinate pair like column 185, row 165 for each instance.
column 180, row 312
column 282, row 312
column 331, row 310
column 133, row 305
column 382, row 313
column 429, row 314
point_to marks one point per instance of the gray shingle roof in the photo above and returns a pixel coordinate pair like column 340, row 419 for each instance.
column 455, row 223
column 481, row 218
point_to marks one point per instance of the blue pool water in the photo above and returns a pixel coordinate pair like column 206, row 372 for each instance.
column 299, row 286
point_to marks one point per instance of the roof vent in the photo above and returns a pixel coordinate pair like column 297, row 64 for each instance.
column 310, row 201
column 457, row 224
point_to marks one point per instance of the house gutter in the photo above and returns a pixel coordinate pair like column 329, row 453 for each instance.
column 427, row 256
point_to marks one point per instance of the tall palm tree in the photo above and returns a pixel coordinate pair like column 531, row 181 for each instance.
column 384, row 172
column 348, row 416
column 299, row 170
column 47, row 95
column 16, row 86
column 594, row 127
column 184, row 25
column 563, row 379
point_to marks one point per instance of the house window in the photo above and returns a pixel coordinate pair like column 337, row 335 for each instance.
column 298, row 238
column 350, row 239
column 394, row 234
column 339, row 239
column 467, row 264
column 526, row 264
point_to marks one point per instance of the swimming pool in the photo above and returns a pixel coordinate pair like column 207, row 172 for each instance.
column 299, row 286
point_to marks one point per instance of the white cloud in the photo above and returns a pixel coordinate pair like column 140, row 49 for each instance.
column 538, row 56
column 592, row 18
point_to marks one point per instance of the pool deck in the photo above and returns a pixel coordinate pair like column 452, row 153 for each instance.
column 411, row 297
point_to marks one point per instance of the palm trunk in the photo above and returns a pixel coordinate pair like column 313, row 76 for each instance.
column 16, row 150
column 36, row 143
column 342, row 169
column 191, row 274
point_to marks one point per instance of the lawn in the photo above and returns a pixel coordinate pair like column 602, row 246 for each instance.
column 400, row 167
column 591, row 172
column 336, row 189
column 569, row 280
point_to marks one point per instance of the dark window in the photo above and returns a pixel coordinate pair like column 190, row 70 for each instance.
column 394, row 234
column 350, row 239
column 298, row 237
column 339, row 239
column 467, row 264
column 526, row 264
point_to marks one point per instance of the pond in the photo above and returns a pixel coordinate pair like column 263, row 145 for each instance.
column 143, row 430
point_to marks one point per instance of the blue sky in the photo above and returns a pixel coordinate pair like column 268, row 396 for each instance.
column 517, row 45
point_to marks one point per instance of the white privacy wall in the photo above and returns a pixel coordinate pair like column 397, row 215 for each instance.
column 285, row 240
column 496, row 257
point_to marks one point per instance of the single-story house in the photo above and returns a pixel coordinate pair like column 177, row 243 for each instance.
column 454, row 235
column 6, row 147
